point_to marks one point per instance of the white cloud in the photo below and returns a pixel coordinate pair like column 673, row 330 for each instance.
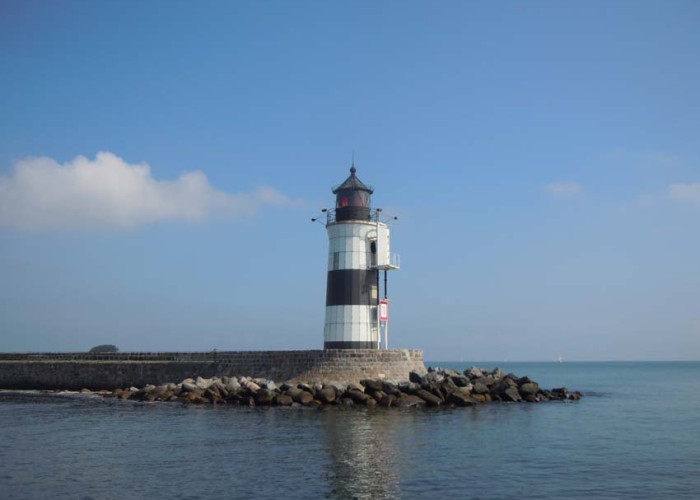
column 108, row 192
column 686, row 193
column 563, row 189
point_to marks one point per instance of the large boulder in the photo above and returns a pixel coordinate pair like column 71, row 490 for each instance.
column 283, row 400
column 195, row 397
column 575, row 395
column 559, row 393
column 264, row 397
column 391, row 388
column 140, row 395
column 433, row 378
column 213, row 396
column 511, row 394
column 473, row 372
column 409, row 401
column 460, row 380
column 487, row 380
column 162, row 392
column 432, row 388
column 447, row 387
column 375, row 385
column 376, row 395
column 357, row 396
column 232, row 386
column 305, row 398
column 189, row 387
column 307, row 388
column 326, row 395
column 251, row 386
column 408, row 387
column 430, row 398
column 459, row 398
column 203, row 383
column 562, row 393
column 415, row 377
column 296, row 394
column 220, row 388
column 480, row 388
column 499, row 388
column 529, row 389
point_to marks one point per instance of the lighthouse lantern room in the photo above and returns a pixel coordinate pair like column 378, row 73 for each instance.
column 359, row 247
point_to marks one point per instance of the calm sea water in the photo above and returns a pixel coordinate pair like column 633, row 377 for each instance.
column 635, row 435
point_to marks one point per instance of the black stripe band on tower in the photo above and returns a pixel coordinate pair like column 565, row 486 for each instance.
column 351, row 287
column 350, row 345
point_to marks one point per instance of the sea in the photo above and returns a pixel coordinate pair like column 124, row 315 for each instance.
column 634, row 435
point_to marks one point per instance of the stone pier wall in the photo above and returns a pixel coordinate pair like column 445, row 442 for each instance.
column 74, row 371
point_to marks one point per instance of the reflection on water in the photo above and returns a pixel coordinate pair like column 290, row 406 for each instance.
column 362, row 453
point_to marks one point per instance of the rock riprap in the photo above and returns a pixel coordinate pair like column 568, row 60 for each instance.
column 438, row 387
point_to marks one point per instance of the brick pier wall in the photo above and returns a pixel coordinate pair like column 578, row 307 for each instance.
column 74, row 371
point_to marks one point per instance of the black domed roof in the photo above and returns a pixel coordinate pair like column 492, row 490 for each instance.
column 352, row 183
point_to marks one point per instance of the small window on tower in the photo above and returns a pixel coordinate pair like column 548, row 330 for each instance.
column 336, row 261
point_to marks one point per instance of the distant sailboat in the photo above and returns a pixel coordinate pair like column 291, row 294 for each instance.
column 560, row 359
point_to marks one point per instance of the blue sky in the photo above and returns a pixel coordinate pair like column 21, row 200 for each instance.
column 159, row 164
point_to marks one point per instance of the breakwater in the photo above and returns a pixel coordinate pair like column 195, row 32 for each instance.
column 96, row 371
column 437, row 387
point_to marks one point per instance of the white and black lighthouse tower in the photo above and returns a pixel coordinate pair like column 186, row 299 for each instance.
column 358, row 249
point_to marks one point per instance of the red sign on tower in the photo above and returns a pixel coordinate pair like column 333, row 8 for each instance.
column 383, row 310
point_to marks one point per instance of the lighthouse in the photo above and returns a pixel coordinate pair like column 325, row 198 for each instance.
column 358, row 249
